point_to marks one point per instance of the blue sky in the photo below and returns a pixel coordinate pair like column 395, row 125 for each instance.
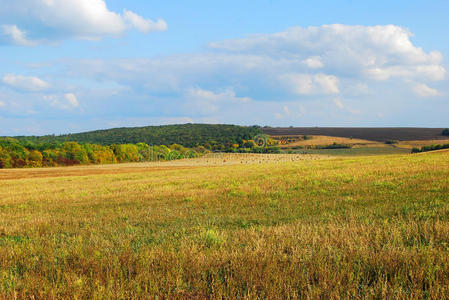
column 76, row 65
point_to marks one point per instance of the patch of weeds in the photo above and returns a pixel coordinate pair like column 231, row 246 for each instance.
column 319, row 192
column 5, row 206
column 8, row 282
column 273, row 203
column 279, row 194
column 136, row 244
column 236, row 193
column 349, row 199
column 211, row 239
column 385, row 184
column 248, row 223
column 209, row 185
column 19, row 239
column 188, row 199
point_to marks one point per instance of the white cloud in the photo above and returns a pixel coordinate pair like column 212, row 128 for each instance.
column 305, row 84
column 144, row 25
column 338, row 102
column 26, row 83
column 49, row 20
column 67, row 101
column 376, row 52
column 327, row 83
column 329, row 59
column 275, row 77
column 431, row 72
column 15, row 36
column 313, row 62
column 2, row 104
column 71, row 99
column 205, row 101
column 423, row 90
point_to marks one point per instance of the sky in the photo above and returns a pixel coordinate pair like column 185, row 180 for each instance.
column 75, row 65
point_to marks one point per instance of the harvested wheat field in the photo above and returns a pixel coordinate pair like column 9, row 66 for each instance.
column 321, row 140
column 210, row 160
column 358, row 227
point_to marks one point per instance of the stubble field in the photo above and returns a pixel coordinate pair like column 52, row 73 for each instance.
column 355, row 227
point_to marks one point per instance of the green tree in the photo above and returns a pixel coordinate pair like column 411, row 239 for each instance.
column 5, row 159
column 446, row 132
column 34, row 159
column 75, row 152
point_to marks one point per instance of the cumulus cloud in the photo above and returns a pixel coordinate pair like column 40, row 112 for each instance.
column 25, row 83
column 338, row 102
column 142, row 24
column 31, row 22
column 67, row 101
column 423, row 90
column 71, row 99
column 330, row 72
column 305, row 84
column 13, row 35
column 299, row 62
column 313, row 62
column 377, row 52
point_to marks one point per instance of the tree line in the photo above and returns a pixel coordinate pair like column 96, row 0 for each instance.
column 430, row 148
column 19, row 154
column 16, row 153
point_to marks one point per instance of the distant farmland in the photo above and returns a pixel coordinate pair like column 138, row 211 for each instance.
column 373, row 134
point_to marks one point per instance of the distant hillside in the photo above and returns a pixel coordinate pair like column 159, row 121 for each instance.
column 373, row 134
column 188, row 135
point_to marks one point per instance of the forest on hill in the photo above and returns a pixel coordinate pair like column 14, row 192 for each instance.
column 214, row 137
column 132, row 145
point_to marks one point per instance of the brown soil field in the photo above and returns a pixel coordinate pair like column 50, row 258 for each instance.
column 372, row 134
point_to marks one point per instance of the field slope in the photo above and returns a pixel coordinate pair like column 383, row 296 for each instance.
column 373, row 134
column 373, row 227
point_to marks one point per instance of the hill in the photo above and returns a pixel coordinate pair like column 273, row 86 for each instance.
column 188, row 135
column 372, row 134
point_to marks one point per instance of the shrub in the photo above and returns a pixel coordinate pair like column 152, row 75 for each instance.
column 415, row 150
column 334, row 146
column 391, row 142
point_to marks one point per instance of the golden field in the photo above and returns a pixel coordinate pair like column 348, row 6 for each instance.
column 273, row 227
